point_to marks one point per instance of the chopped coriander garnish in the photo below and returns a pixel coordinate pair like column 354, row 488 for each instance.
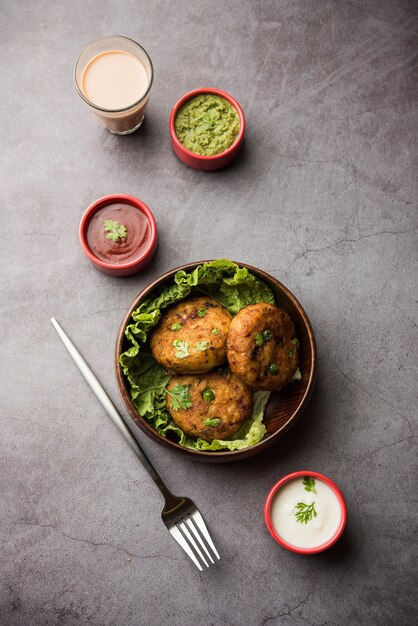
column 290, row 354
column 305, row 512
column 175, row 327
column 267, row 334
column 201, row 345
column 309, row 484
column 295, row 341
column 182, row 348
column 208, row 395
column 215, row 331
column 273, row 369
column 202, row 312
column 208, row 122
column 180, row 397
column 114, row 230
column 215, row 421
column 260, row 338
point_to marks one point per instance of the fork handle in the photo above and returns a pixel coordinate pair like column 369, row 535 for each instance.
column 110, row 408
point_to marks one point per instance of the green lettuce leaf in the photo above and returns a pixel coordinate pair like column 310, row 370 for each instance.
column 250, row 433
column 297, row 375
column 234, row 287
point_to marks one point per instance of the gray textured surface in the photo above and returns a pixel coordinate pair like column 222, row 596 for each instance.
column 324, row 196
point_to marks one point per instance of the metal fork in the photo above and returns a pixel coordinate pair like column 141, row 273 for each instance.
column 180, row 515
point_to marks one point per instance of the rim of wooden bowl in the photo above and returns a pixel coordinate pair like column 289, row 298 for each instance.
column 229, row 455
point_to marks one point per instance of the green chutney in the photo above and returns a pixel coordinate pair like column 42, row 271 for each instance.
column 207, row 125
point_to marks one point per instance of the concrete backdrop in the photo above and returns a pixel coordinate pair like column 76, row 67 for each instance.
column 324, row 197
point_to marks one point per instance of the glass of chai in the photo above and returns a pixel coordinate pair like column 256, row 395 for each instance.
column 114, row 76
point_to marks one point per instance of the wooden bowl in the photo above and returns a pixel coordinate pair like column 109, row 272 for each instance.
column 283, row 408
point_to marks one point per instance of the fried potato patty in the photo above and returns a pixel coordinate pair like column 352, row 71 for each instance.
column 262, row 348
column 191, row 336
column 220, row 403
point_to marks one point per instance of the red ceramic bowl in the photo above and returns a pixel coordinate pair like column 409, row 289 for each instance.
column 130, row 267
column 282, row 542
column 198, row 161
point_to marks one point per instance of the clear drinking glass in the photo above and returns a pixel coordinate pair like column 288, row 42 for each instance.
column 118, row 121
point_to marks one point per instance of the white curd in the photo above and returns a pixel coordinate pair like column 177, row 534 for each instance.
column 309, row 531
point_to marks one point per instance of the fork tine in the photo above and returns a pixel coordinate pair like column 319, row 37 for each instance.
column 197, row 517
column 186, row 532
column 174, row 531
column 202, row 544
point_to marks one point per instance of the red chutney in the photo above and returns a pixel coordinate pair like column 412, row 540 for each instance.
column 123, row 249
